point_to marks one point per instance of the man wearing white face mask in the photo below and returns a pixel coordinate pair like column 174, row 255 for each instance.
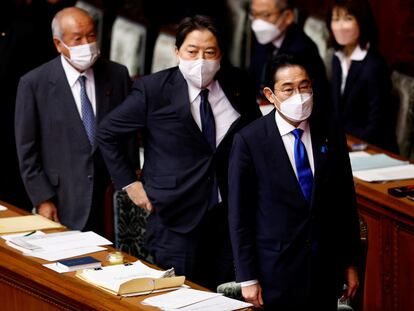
column 292, row 206
column 190, row 114
column 275, row 32
column 58, row 107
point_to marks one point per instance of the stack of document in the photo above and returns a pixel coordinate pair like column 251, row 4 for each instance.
column 29, row 222
column 56, row 246
column 379, row 167
column 191, row 299
column 131, row 279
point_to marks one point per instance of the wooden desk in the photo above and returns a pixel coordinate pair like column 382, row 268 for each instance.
column 389, row 276
column 26, row 285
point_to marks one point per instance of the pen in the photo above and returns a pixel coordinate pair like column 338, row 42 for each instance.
column 30, row 233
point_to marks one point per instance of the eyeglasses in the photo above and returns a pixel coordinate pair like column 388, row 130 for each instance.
column 262, row 15
column 288, row 91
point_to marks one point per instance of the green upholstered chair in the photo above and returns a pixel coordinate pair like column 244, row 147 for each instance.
column 130, row 226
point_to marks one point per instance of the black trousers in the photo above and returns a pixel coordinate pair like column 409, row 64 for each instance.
column 203, row 255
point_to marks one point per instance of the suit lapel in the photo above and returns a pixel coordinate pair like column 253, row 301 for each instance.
column 352, row 77
column 103, row 91
column 177, row 89
column 320, row 150
column 62, row 93
column 278, row 159
column 232, row 93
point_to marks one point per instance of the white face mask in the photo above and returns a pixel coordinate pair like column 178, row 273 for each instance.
column 265, row 32
column 82, row 56
column 297, row 107
column 199, row 72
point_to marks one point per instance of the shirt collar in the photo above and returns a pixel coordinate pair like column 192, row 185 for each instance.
column 278, row 42
column 285, row 127
column 357, row 54
column 194, row 91
column 72, row 74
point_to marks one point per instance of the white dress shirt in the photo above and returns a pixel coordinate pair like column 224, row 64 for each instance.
column 223, row 111
column 357, row 54
column 285, row 130
column 72, row 76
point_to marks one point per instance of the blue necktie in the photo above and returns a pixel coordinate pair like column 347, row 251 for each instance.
column 88, row 117
column 303, row 169
column 208, row 127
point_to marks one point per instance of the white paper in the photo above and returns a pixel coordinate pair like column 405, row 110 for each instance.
column 63, row 254
column 113, row 276
column 9, row 237
column 53, row 266
column 3, row 208
column 357, row 154
column 221, row 303
column 60, row 241
column 374, row 161
column 179, row 298
column 386, row 174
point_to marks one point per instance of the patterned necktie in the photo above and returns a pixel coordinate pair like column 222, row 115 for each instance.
column 88, row 117
column 208, row 126
column 303, row 168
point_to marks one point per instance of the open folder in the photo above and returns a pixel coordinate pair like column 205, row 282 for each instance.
column 26, row 223
column 135, row 278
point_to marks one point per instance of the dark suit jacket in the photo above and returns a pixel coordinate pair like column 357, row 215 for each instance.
column 55, row 157
column 297, row 43
column 277, row 237
column 179, row 164
column 366, row 107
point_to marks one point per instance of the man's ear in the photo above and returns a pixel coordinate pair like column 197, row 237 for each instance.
column 177, row 55
column 58, row 45
column 268, row 93
column 289, row 17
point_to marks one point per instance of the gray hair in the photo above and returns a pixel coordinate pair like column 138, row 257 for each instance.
column 57, row 30
column 56, row 27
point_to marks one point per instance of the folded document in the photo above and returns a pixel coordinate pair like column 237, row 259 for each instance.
column 134, row 278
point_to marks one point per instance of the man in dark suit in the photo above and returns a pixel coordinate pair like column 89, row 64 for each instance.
column 292, row 208
column 189, row 115
column 275, row 32
column 57, row 108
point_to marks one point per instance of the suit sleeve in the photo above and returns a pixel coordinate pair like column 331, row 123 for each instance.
column 349, row 225
column 28, row 144
column 241, row 210
column 122, row 121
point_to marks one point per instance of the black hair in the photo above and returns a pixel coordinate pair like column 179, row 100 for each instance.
column 362, row 11
column 283, row 5
column 197, row 22
column 283, row 61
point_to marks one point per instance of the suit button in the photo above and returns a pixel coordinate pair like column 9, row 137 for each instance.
column 209, row 178
column 90, row 177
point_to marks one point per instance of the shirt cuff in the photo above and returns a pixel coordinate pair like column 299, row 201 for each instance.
column 248, row 283
column 127, row 186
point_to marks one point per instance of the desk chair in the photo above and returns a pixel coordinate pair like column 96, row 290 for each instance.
column 233, row 289
column 403, row 88
column 128, row 45
column 130, row 225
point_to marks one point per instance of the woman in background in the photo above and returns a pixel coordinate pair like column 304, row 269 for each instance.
column 360, row 82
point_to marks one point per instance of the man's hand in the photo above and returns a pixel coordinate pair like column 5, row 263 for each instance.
column 351, row 279
column 138, row 195
column 48, row 209
column 253, row 294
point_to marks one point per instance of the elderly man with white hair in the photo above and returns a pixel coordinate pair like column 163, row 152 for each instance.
column 58, row 106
